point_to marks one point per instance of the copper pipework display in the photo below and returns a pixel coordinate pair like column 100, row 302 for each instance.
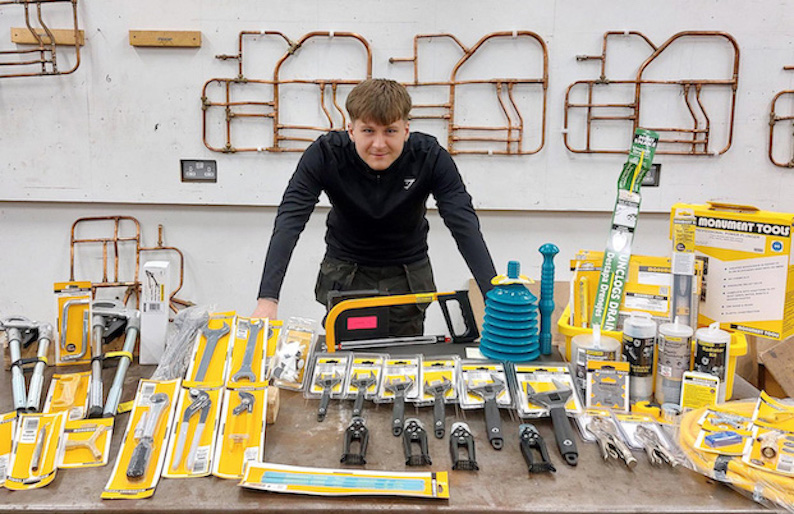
column 124, row 243
column 782, row 123
column 40, row 58
column 694, row 136
column 508, row 139
column 286, row 137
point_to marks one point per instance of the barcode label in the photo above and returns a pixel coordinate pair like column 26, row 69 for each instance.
column 201, row 463
column 785, row 464
column 30, row 428
column 152, row 307
column 250, row 454
column 3, row 467
column 147, row 390
column 242, row 330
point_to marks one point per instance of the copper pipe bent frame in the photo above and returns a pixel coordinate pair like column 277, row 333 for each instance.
column 512, row 134
column 774, row 119
column 272, row 106
column 45, row 45
column 115, row 240
column 696, row 138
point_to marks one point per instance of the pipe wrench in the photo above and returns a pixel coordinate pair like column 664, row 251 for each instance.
column 555, row 401
column 200, row 404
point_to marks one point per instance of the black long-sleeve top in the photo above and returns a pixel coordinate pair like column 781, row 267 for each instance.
column 377, row 218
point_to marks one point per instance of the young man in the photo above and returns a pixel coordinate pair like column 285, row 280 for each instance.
column 378, row 176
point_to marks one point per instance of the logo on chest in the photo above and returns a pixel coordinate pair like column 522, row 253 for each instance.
column 408, row 182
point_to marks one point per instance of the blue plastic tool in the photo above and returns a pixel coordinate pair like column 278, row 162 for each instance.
column 546, row 295
column 510, row 327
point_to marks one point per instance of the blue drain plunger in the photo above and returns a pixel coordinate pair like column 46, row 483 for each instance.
column 510, row 326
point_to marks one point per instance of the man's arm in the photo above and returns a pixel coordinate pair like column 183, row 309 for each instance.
column 455, row 208
column 266, row 308
column 300, row 197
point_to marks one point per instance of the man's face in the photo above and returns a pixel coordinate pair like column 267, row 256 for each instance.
column 378, row 145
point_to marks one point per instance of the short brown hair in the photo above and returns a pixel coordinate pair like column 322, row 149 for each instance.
column 381, row 101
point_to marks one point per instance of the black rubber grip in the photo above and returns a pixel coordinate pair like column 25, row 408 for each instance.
column 564, row 435
column 398, row 415
column 493, row 423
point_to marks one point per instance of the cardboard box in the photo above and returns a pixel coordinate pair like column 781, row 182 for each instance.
column 748, row 279
column 154, row 310
column 776, row 370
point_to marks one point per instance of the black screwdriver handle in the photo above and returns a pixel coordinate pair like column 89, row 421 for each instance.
column 564, row 435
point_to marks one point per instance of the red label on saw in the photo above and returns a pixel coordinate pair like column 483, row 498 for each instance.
column 362, row 323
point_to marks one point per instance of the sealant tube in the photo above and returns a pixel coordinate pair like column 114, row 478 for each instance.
column 639, row 344
column 674, row 350
column 712, row 349
column 586, row 347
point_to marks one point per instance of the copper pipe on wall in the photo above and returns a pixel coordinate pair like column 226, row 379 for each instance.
column 46, row 49
column 121, row 242
column 774, row 119
column 697, row 145
column 273, row 104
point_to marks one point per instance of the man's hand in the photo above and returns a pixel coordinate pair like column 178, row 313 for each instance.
column 266, row 308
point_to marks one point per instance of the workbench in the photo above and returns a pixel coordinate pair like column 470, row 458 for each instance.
column 502, row 483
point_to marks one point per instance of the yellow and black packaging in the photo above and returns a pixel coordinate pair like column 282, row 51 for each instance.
column 142, row 453
column 73, row 325
column 34, row 458
column 210, row 358
column 241, row 436
column 86, row 443
column 68, row 392
column 8, row 423
column 192, row 435
column 247, row 365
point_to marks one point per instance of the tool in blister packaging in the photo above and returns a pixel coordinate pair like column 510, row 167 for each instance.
column 290, row 361
column 200, row 404
column 531, row 441
column 109, row 319
column 71, row 347
column 555, row 401
column 245, row 371
column 657, row 452
column 460, row 437
column 356, row 432
column 489, row 392
column 326, row 382
column 38, row 450
column 355, row 323
column 728, row 420
column 211, row 336
column 66, row 392
column 415, row 434
column 438, row 388
column 89, row 444
column 362, row 383
column 546, row 304
column 142, row 453
column 398, row 387
column 243, row 411
column 612, row 445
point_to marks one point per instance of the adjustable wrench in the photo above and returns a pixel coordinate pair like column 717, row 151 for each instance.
column 212, row 336
column 399, row 387
column 248, row 358
column 361, row 383
column 555, row 401
column 493, row 421
column 139, row 461
column 439, row 390
column 200, row 404
column 327, row 383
